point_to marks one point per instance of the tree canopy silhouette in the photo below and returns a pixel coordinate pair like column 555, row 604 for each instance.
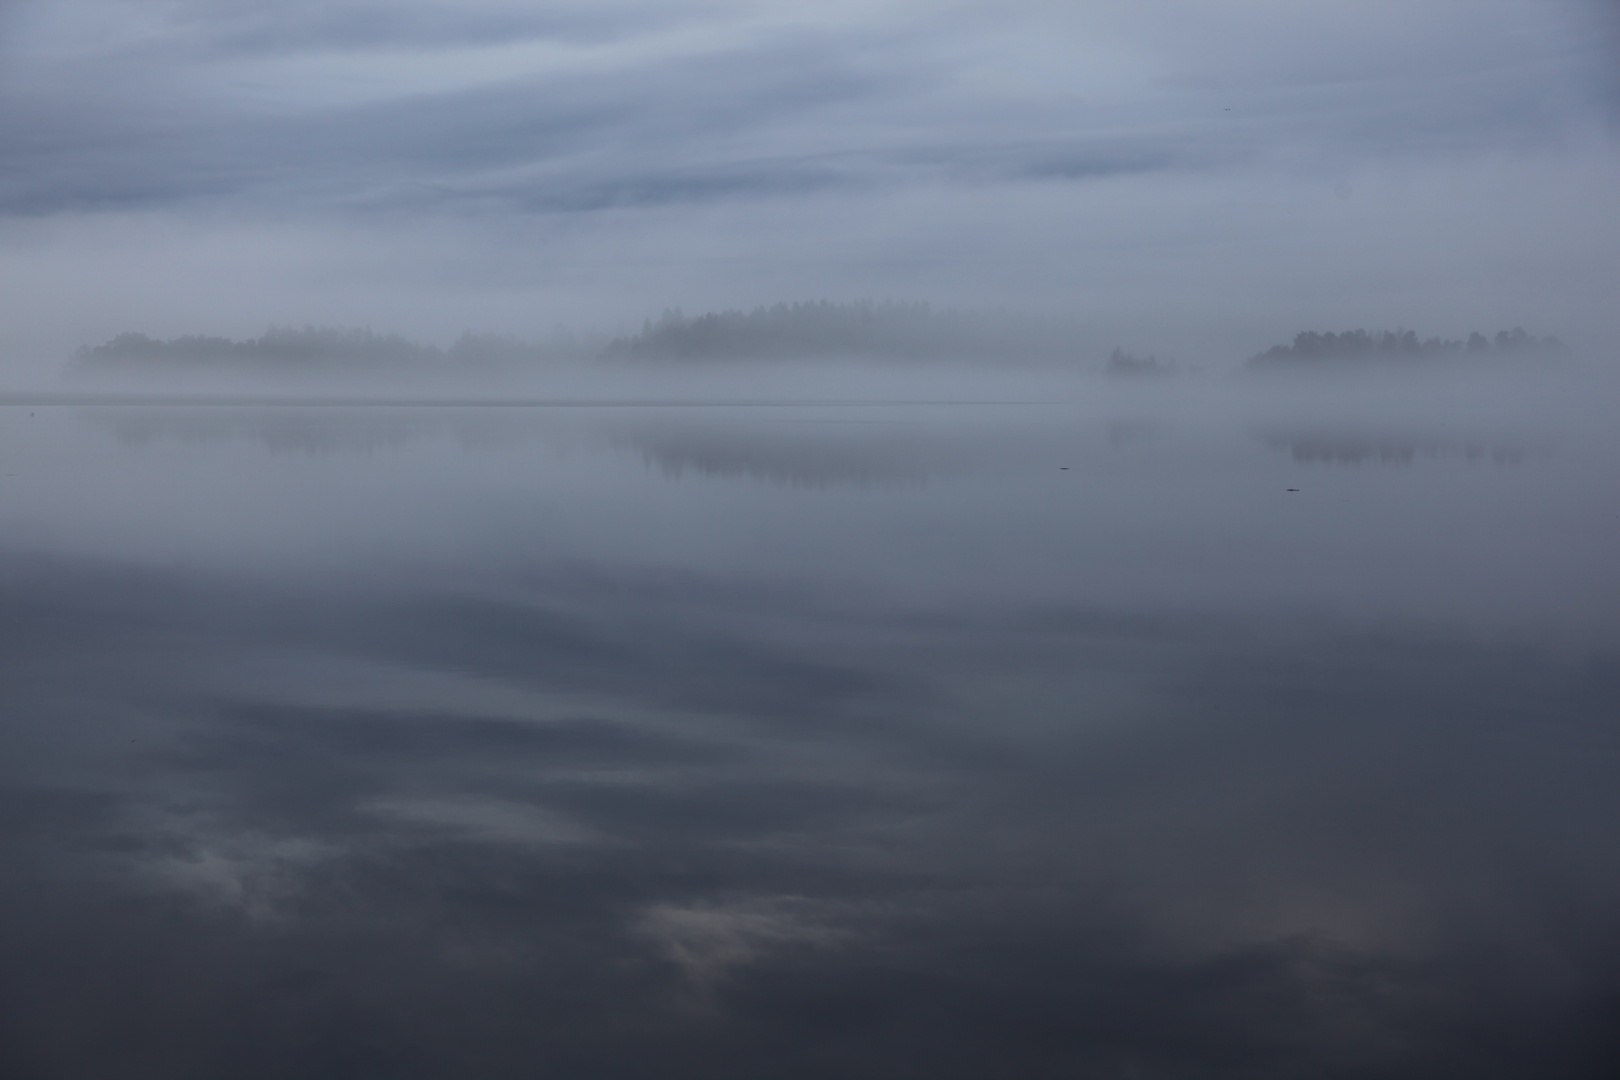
column 862, row 329
column 323, row 346
column 1311, row 349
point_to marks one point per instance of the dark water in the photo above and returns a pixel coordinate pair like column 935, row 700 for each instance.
column 1197, row 731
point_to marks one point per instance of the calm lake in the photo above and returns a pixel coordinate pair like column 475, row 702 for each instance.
column 1203, row 728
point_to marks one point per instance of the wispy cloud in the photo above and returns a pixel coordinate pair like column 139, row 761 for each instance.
column 578, row 107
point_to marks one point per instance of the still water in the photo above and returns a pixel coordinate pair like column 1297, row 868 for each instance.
column 1209, row 729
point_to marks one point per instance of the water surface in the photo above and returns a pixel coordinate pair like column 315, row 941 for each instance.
column 1195, row 730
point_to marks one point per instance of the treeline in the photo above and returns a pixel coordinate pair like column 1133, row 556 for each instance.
column 1312, row 350
column 1124, row 365
column 320, row 346
column 856, row 330
column 865, row 330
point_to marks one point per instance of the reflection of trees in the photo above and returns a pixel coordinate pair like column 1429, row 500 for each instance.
column 791, row 463
column 1312, row 349
column 1350, row 447
column 793, row 458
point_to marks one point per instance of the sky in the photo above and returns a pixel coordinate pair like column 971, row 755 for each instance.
column 1185, row 177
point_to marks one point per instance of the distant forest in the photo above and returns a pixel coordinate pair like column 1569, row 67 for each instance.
column 1124, row 365
column 786, row 331
column 1312, row 350
column 310, row 347
column 824, row 330
column 864, row 329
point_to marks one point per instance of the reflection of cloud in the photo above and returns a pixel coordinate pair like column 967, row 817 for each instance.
column 246, row 871
column 1066, row 842
column 707, row 940
column 1123, row 432
column 488, row 820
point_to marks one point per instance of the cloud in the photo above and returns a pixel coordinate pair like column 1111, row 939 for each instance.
column 242, row 27
column 730, row 108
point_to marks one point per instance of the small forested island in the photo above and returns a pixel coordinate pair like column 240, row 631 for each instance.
column 1125, row 365
column 889, row 330
column 1312, row 351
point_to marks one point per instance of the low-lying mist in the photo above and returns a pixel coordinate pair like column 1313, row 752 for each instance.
column 817, row 350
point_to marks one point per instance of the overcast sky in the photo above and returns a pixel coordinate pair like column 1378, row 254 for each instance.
column 1184, row 175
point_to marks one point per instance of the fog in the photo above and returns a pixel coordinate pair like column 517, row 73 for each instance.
column 890, row 540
